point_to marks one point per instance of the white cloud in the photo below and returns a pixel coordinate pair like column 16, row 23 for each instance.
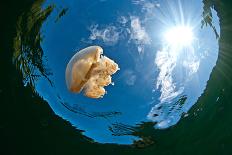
column 130, row 77
column 109, row 34
column 166, row 63
column 138, row 34
column 192, row 66
column 204, row 54
column 149, row 9
column 131, row 80
column 123, row 20
column 147, row 6
column 138, row 1
column 136, row 31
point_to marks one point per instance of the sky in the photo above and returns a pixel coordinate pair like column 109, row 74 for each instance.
column 153, row 74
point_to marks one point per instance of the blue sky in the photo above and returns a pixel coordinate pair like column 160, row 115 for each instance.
column 151, row 74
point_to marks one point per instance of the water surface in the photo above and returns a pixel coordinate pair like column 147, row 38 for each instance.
column 157, row 83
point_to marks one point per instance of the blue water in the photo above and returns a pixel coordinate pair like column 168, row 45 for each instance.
column 130, row 33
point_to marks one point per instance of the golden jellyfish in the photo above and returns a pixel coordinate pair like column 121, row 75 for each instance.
column 90, row 71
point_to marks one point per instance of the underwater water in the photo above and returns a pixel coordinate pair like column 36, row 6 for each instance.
column 170, row 96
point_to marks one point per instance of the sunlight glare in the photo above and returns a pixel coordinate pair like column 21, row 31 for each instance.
column 180, row 36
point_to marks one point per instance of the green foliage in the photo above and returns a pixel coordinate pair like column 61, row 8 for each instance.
column 28, row 54
column 208, row 16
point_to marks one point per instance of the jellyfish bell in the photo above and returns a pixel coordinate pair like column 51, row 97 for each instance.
column 89, row 71
column 79, row 66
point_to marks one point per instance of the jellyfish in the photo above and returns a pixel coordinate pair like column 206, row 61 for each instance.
column 89, row 71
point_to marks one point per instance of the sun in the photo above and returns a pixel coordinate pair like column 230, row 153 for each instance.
column 179, row 36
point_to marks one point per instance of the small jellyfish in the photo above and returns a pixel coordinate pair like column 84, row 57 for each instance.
column 90, row 71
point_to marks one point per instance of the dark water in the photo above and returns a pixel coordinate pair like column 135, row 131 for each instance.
column 29, row 126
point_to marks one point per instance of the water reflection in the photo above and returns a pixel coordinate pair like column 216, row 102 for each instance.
column 122, row 116
column 28, row 55
column 181, row 61
column 75, row 108
column 61, row 14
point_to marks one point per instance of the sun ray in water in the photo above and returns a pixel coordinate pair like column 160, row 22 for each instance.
column 181, row 51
